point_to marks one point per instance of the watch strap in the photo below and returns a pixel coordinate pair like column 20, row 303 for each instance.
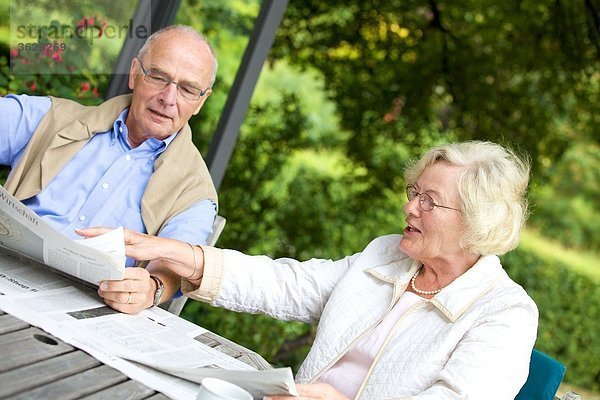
column 160, row 287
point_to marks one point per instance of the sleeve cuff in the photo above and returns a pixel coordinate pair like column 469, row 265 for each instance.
column 210, row 285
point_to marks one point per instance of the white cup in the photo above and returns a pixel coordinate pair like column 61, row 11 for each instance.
column 218, row 389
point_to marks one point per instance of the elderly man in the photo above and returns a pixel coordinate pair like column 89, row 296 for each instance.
column 127, row 162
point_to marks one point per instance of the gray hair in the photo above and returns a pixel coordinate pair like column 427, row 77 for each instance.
column 183, row 29
column 493, row 192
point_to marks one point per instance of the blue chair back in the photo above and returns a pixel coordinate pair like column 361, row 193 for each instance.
column 545, row 376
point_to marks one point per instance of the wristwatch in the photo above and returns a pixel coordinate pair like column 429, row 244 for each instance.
column 160, row 287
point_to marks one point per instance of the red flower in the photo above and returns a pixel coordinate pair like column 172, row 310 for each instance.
column 32, row 87
column 82, row 23
column 14, row 52
column 85, row 86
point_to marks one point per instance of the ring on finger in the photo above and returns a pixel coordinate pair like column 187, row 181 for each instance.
column 129, row 299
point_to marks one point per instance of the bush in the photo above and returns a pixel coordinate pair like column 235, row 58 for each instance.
column 569, row 313
column 563, row 207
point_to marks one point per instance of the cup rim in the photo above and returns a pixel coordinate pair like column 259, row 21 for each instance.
column 208, row 385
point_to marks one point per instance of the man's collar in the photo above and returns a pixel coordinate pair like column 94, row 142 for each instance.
column 120, row 128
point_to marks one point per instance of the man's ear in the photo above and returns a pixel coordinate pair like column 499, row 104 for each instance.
column 133, row 69
column 202, row 100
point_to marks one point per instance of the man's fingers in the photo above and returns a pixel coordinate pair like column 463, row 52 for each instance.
column 134, row 280
column 132, row 308
column 130, row 295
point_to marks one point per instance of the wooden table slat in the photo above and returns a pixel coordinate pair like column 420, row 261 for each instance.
column 75, row 386
column 24, row 347
column 8, row 323
column 40, row 373
column 130, row 390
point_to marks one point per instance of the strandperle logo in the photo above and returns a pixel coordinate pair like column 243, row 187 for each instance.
column 88, row 28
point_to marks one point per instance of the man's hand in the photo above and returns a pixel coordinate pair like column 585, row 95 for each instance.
column 132, row 294
column 313, row 391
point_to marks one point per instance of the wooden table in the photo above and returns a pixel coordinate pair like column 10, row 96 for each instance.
column 37, row 365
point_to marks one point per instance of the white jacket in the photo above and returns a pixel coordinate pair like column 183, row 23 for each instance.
column 473, row 340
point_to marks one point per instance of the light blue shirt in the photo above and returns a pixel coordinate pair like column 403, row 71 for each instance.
column 103, row 184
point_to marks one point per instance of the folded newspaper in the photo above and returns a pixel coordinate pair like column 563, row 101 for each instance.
column 92, row 261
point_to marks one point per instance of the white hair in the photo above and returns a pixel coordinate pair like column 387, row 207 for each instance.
column 183, row 29
column 492, row 185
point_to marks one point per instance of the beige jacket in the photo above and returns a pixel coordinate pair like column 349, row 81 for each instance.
column 180, row 178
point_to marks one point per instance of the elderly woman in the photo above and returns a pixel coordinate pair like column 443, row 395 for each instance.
column 429, row 314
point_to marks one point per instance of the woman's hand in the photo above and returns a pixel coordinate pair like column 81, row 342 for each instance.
column 313, row 391
column 139, row 246
column 179, row 257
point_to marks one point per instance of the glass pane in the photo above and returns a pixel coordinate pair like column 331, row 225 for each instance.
column 64, row 48
column 227, row 24
column 68, row 36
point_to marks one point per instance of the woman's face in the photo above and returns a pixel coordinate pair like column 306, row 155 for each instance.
column 433, row 236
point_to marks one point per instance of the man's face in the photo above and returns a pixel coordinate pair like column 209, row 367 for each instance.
column 160, row 112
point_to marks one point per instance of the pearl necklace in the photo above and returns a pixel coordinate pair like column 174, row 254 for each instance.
column 425, row 292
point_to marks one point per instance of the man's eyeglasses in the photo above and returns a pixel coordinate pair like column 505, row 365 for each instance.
column 425, row 200
column 161, row 81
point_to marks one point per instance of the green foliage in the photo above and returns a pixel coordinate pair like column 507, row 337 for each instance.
column 501, row 71
column 61, row 49
column 227, row 25
column 563, row 208
column 569, row 313
column 84, row 88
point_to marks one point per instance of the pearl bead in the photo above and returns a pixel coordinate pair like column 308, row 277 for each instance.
column 425, row 292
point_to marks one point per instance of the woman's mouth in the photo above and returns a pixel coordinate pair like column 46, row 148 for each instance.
column 411, row 229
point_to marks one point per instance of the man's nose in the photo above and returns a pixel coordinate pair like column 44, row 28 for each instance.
column 169, row 94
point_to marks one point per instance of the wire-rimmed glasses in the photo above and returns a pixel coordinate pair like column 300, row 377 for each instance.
column 161, row 81
column 425, row 200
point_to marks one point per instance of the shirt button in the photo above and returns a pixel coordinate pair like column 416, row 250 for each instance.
column 127, row 157
column 105, row 186
column 121, row 129
column 82, row 217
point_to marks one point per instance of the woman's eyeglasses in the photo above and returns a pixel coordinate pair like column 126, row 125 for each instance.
column 425, row 200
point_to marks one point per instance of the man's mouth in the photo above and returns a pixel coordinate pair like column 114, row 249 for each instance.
column 158, row 113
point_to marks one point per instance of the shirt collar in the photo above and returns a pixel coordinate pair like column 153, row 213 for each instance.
column 120, row 131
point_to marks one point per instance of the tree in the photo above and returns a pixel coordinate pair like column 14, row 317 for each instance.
column 500, row 71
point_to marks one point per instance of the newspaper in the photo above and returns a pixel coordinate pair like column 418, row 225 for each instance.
column 157, row 348
column 24, row 232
